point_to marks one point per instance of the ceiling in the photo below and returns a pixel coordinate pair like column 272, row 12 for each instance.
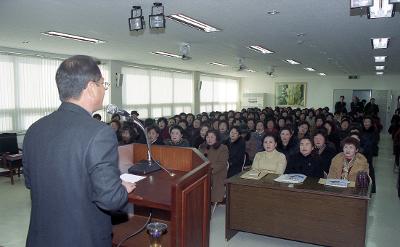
column 334, row 41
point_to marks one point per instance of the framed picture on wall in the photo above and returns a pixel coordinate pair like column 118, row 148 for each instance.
column 290, row 94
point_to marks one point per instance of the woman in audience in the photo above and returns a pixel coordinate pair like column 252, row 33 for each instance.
column 258, row 136
column 281, row 123
column 324, row 149
column 162, row 123
column 171, row 122
column 236, row 147
column 344, row 128
column 218, row 154
column 201, row 137
column 251, row 143
column 153, row 133
column 332, row 135
column 194, row 130
column 127, row 135
column 176, row 133
column 287, row 143
column 215, row 124
column 310, row 119
column 305, row 162
column 348, row 163
column 223, row 130
column 271, row 128
column 116, row 126
column 204, row 118
column 270, row 160
column 303, row 130
column 251, row 124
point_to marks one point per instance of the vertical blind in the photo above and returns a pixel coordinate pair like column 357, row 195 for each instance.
column 218, row 94
column 155, row 93
column 29, row 91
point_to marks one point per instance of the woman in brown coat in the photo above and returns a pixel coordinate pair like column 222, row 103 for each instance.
column 348, row 163
column 218, row 155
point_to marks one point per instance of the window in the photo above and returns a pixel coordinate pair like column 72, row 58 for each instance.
column 218, row 94
column 156, row 93
column 28, row 90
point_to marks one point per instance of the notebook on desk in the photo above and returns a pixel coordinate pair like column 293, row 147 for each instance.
column 254, row 174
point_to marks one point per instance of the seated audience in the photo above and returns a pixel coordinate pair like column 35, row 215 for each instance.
column 223, row 130
column 116, row 126
column 176, row 133
column 287, row 143
column 237, row 148
column 303, row 130
column 201, row 137
column 218, row 154
column 348, row 163
column 270, row 159
column 331, row 134
column 127, row 135
column 305, row 161
column 344, row 128
column 258, row 135
column 251, row 143
column 153, row 133
column 162, row 123
column 324, row 149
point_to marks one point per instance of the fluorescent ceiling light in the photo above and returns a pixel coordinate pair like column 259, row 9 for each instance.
column 260, row 49
column 166, row 54
column 186, row 20
column 379, row 73
column 380, row 59
column 360, row 3
column 309, row 69
column 250, row 70
column 218, row 64
column 394, row 1
column 291, row 61
column 73, row 37
column 322, row 74
column 380, row 43
column 381, row 67
column 380, row 9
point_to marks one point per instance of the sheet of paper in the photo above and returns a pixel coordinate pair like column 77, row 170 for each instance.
column 291, row 178
column 337, row 183
column 131, row 178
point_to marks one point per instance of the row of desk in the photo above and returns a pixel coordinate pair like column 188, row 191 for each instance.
column 308, row 212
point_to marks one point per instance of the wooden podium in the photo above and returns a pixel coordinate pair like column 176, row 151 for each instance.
column 182, row 201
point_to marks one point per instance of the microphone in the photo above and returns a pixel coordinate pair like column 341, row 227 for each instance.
column 144, row 166
column 112, row 109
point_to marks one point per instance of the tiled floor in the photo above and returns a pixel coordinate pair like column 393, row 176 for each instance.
column 383, row 220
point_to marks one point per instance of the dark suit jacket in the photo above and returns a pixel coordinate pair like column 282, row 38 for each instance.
column 71, row 167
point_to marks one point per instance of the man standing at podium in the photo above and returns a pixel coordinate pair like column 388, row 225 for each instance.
column 71, row 164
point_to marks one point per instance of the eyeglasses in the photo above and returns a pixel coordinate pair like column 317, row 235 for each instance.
column 106, row 84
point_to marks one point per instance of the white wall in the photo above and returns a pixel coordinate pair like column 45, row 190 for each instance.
column 319, row 89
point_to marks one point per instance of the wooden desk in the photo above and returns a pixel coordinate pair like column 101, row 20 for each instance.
column 13, row 164
column 182, row 201
column 308, row 212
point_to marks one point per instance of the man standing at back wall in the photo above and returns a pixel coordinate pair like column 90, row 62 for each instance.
column 71, row 164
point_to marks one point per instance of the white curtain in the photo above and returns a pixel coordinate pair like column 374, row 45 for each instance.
column 156, row 93
column 218, row 94
column 29, row 91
